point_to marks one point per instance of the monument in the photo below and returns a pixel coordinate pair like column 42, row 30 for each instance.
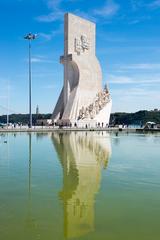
column 82, row 99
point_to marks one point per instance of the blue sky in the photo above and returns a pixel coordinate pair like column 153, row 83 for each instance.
column 128, row 48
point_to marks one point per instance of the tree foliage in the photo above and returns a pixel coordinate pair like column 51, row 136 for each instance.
column 24, row 118
column 138, row 118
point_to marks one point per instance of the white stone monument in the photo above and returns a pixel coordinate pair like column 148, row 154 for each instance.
column 82, row 99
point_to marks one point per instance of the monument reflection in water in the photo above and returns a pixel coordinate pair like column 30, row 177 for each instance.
column 82, row 156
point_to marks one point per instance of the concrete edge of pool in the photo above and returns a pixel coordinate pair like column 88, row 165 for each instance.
column 44, row 130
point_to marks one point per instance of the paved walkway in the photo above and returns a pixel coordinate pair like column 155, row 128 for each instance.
column 53, row 129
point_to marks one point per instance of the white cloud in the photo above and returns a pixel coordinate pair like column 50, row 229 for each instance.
column 108, row 10
column 36, row 60
column 139, row 92
column 139, row 19
column 3, row 97
column 136, row 4
column 49, row 87
column 136, row 21
column 154, row 4
column 52, row 34
column 40, row 59
column 142, row 66
column 130, row 92
column 55, row 14
column 86, row 15
column 138, row 80
column 120, row 79
column 51, row 17
column 46, row 36
column 134, row 99
column 54, row 3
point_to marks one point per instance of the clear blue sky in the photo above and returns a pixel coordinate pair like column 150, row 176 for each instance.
column 128, row 48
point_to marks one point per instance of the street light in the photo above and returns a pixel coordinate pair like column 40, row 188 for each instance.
column 30, row 37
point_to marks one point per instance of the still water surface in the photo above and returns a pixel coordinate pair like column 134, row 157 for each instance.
column 85, row 186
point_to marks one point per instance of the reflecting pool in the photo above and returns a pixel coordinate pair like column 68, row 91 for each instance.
column 79, row 185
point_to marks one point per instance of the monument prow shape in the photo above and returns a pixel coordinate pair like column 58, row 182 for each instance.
column 82, row 99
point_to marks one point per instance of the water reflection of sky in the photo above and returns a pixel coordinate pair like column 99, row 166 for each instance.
column 84, row 185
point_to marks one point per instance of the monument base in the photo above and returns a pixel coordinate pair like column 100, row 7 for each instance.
column 100, row 120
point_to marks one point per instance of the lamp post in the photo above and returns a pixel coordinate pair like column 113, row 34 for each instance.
column 30, row 37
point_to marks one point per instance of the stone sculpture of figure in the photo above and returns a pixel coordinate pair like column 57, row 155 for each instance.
column 93, row 113
column 105, row 100
column 102, row 98
column 99, row 95
column 90, row 107
column 83, row 112
column 78, row 46
column 85, row 42
column 86, row 112
column 80, row 113
column 100, row 105
column 96, row 107
column 104, row 94
column 106, row 88
column 96, row 103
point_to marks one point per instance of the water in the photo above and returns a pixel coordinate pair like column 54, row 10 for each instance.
column 79, row 186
